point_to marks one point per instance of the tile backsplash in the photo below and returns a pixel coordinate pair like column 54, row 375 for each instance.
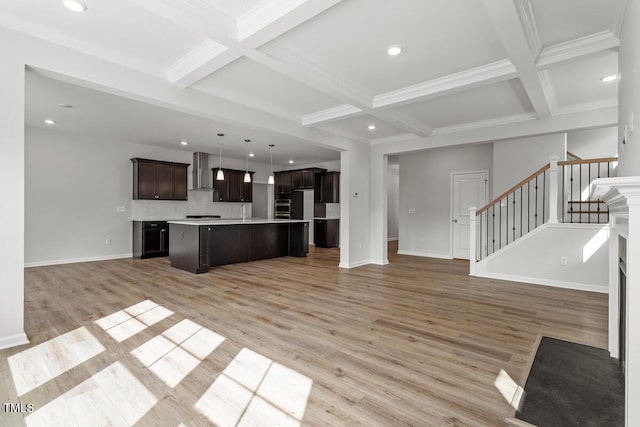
column 333, row 210
column 199, row 203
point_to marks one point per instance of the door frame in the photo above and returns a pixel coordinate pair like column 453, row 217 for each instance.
column 487, row 192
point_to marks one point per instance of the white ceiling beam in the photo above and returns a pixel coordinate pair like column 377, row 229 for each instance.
column 618, row 8
column 299, row 68
column 528, row 20
column 330, row 114
column 269, row 20
column 468, row 79
column 504, row 15
column 580, row 47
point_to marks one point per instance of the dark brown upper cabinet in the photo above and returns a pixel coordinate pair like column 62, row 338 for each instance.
column 303, row 179
column 282, row 182
column 330, row 187
column 159, row 180
column 233, row 188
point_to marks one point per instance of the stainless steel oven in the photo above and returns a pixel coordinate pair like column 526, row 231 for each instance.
column 282, row 209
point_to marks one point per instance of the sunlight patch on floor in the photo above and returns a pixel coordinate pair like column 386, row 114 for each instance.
column 37, row 365
column 255, row 391
column 113, row 396
column 172, row 355
column 509, row 389
column 126, row 323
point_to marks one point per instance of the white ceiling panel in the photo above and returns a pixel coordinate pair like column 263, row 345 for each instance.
column 438, row 38
column 475, row 105
column 561, row 21
column 253, row 84
column 111, row 117
column 116, row 28
column 578, row 83
column 358, row 127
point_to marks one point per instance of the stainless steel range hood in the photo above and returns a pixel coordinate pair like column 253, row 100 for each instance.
column 201, row 172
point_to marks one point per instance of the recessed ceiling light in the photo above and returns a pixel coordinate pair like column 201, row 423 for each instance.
column 610, row 78
column 291, row 161
column 183, row 142
column 394, row 50
column 65, row 105
column 371, row 127
column 50, row 122
column 251, row 154
column 75, row 6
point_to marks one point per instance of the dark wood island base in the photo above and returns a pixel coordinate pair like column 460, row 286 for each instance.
column 197, row 246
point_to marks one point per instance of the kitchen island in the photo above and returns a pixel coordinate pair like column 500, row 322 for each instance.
column 197, row 245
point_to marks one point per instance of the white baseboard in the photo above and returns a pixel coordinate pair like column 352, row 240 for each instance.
column 354, row 264
column 424, row 254
column 380, row 261
column 74, row 260
column 546, row 282
column 13, row 341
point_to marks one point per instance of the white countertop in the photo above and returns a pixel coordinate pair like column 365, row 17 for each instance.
column 326, row 218
column 235, row 221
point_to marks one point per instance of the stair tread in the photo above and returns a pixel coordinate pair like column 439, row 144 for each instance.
column 586, row 201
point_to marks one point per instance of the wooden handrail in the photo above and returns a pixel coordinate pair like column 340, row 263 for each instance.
column 514, row 188
column 586, row 161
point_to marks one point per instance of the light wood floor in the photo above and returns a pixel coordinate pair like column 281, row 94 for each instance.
column 417, row 342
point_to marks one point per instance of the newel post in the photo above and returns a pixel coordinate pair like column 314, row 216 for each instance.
column 473, row 257
column 553, row 190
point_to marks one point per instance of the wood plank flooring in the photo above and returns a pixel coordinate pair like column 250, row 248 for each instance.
column 417, row 342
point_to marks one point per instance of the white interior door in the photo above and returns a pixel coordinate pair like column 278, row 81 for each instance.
column 468, row 189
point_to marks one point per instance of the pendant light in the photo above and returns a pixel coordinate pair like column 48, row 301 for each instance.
column 247, row 177
column 271, row 178
column 220, row 174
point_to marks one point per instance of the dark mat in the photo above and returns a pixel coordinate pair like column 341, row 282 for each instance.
column 573, row 385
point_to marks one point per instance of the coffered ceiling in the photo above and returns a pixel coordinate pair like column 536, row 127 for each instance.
column 322, row 64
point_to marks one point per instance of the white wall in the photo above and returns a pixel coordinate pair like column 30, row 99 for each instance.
column 355, row 212
column 425, row 186
column 629, row 91
column 516, row 159
column 536, row 257
column 12, row 213
column 593, row 143
column 393, row 201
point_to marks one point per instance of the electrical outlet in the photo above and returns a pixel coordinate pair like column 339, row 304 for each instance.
column 412, row 210
column 107, row 241
column 121, row 209
column 563, row 260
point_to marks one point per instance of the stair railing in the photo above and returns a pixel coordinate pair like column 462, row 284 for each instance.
column 536, row 200
column 512, row 214
column 576, row 177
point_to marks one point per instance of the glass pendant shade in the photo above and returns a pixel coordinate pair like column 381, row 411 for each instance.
column 271, row 180
column 220, row 175
column 247, row 177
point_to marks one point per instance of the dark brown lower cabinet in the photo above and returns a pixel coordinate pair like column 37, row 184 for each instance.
column 197, row 248
column 326, row 232
column 150, row 239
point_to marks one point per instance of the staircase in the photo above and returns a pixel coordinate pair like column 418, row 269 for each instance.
column 558, row 192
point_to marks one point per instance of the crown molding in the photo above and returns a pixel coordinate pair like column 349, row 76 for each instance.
column 549, row 90
column 195, row 59
column 619, row 7
column 395, row 138
column 577, row 48
column 528, row 20
column 486, row 123
column 482, row 75
column 586, row 106
column 330, row 115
